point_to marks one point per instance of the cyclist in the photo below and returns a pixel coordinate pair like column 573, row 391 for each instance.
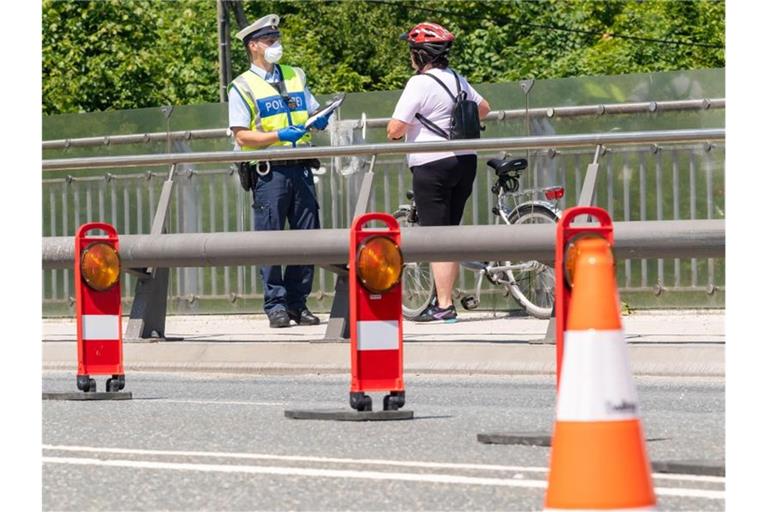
column 442, row 182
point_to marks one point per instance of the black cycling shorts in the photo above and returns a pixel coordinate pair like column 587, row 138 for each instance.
column 441, row 189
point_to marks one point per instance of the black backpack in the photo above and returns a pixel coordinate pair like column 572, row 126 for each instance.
column 465, row 118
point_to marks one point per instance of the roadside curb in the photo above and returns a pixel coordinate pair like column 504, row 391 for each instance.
column 420, row 357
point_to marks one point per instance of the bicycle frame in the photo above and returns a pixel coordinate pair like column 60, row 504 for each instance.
column 512, row 206
column 498, row 274
column 506, row 213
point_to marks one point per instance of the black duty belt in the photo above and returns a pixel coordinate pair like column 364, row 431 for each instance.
column 265, row 166
column 249, row 172
column 286, row 163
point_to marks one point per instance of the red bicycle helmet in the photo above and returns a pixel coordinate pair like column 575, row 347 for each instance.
column 431, row 37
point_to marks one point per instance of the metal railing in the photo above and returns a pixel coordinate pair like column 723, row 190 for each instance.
column 495, row 115
column 505, row 143
column 438, row 243
column 660, row 175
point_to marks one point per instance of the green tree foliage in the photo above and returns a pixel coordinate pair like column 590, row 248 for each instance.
column 116, row 54
column 119, row 54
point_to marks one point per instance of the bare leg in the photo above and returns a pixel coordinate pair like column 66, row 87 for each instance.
column 445, row 273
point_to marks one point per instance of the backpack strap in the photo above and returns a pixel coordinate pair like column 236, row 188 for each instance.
column 433, row 77
column 458, row 87
column 429, row 125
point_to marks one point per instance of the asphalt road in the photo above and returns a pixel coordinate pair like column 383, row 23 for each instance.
column 212, row 442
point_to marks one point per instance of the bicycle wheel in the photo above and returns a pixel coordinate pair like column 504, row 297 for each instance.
column 532, row 283
column 418, row 284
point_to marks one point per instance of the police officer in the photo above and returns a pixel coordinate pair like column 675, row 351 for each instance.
column 268, row 106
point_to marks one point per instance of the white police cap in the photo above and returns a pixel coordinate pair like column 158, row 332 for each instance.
column 265, row 26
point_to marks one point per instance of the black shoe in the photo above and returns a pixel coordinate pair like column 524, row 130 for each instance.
column 436, row 313
column 304, row 318
column 279, row 318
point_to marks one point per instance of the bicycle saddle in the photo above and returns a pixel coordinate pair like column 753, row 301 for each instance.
column 503, row 167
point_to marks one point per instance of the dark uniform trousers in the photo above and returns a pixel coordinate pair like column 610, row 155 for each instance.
column 286, row 193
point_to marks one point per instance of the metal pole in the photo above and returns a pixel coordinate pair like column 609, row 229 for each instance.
column 222, row 22
column 338, row 322
column 364, row 196
column 591, row 110
column 526, row 86
column 651, row 239
column 138, row 138
column 150, row 299
column 496, row 115
column 587, row 195
column 507, row 143
column 586, row 198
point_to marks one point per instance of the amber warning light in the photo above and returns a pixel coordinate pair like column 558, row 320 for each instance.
column 379, row 264
column 100, row 266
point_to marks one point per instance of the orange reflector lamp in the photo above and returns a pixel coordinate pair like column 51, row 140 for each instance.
column 571, row 254
column 379, row 264
column 100, row 266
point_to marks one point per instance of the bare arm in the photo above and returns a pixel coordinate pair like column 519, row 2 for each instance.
column 483, row 109
column 396, row 129
column 253, row 138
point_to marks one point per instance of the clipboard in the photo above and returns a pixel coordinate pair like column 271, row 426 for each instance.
column 326, row 110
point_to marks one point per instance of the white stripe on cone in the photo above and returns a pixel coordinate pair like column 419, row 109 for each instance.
column 378, row 335
column 101, row 327
column 596, row 381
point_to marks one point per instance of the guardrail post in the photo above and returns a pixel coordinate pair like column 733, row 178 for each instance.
column 338, row 322
column 150, row 300
column 586, row 198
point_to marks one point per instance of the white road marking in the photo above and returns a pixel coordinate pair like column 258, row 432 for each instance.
column 690, row 493
column 290, row 471
column 689, row 478
column 333, row 460
column 338, row 473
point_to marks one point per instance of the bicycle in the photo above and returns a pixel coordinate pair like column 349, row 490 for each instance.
column 530, row 283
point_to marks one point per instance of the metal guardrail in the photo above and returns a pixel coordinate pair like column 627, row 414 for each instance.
column 650, row 239
column 643, row 107
column 137, row 138
column 495, row 115
column 505, row 143
column 671, row 164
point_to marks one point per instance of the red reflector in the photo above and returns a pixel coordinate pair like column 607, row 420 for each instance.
column 553, row 193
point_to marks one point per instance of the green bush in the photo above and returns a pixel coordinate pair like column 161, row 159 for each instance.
column 120, row 54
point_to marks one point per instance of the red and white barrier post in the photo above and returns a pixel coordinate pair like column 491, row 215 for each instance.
column 98, row 308
column 375, row 313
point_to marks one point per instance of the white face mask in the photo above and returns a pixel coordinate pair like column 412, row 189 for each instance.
column 274, row 53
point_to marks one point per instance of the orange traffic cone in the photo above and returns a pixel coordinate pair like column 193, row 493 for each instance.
column 598, row 449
